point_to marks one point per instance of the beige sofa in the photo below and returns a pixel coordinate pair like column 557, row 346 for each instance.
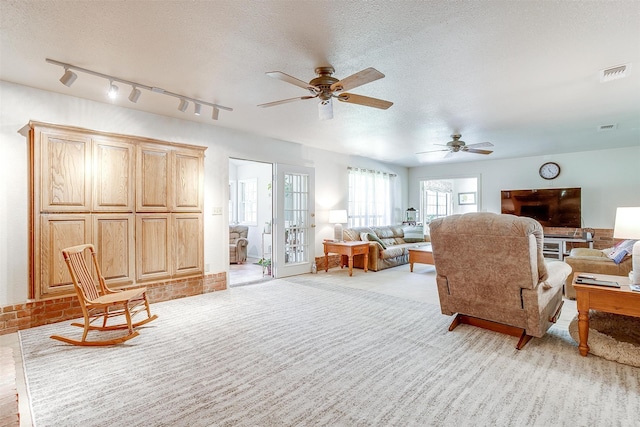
column 491, row 271
column 388, row 245
column 587, row 260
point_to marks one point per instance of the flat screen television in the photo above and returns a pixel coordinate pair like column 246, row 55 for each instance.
column 551, row 207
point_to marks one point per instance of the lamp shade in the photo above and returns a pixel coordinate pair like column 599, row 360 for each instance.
column 338, row 216
column 627, row 225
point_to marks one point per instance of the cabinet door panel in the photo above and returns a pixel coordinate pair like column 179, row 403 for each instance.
column 65, row 173
column 152, row 176
column 113, row 176
column 59, row 232
column 188, row 181
column 114, row 239
column 153, row 246
column 188, row 244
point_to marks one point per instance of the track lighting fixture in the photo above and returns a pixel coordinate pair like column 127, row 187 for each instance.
column 134, row 95
column 69, row 77
column 113, row 91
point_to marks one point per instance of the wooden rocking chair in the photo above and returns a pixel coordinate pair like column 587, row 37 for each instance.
column 100, row 302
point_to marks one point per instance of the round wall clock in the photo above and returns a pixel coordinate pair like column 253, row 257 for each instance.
column 549, row 170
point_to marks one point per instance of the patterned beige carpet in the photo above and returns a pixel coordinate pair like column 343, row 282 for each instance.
column 306, row 351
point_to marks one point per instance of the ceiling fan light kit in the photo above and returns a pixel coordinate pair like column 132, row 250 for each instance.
column 70, row 76
column 325, row 87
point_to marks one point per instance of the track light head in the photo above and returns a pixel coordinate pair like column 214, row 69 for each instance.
column 214, row 115
column 68, row 77
column 196, row 108
column 183, row 105
column 134, row 95
column 113, row 91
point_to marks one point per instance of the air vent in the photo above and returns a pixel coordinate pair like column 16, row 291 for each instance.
column 606, row 128
column 614, row 73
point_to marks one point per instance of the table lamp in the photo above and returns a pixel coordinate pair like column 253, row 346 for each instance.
column 338, row 217
column 627, row 226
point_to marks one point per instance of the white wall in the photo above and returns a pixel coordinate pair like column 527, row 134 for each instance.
column 608, row 178
column 20, row 104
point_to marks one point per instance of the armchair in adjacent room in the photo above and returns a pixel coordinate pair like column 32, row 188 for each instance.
column 238, row 243
column 491, row 272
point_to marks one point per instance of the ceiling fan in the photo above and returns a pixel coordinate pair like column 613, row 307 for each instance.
column 456, row 146
column 326, row 87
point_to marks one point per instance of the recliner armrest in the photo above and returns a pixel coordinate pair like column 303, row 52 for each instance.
column 242, row 242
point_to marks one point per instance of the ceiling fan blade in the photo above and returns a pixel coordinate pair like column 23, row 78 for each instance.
column 284, row 101
column 290, row 79
column 358, row 79
column 480, row 144
column 325, row 109
column 473, row 150
column 432, row 151
column 365, row 100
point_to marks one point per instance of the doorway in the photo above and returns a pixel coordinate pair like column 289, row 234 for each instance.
column 440, row 197
column 251, row 207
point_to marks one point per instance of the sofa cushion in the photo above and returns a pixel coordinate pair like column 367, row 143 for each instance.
column 414, row 234
column 372, row 237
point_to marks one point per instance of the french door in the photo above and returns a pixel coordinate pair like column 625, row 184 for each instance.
column 294, row 222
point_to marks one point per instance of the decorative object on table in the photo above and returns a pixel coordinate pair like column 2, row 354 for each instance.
column 338, row 217
column 467, row 198
column 627, row 226
column 412, row 216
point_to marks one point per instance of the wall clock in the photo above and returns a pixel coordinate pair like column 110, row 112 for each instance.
column 549, row 170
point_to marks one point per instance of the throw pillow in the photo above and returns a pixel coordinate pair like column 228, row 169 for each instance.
column 373, row 238
column 364, row 237
column 414, row 234
column 621, row 250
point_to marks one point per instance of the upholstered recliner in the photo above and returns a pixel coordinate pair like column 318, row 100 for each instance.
column 491, row 271
column 238, row 243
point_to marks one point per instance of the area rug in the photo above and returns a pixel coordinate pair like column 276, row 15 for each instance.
column 307, row 351
column 612, row 336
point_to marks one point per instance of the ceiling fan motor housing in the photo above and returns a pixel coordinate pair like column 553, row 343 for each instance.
column 323, row 82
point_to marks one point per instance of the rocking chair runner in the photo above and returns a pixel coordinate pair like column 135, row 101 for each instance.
column 100, row 302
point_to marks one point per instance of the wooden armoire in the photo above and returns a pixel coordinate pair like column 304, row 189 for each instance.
column 138, row 200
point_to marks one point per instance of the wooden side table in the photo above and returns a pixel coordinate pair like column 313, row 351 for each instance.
column 620, row 300
column 421, row 254
column 346, row 249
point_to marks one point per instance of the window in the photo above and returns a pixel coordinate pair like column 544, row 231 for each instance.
column 370, row 197
column 435, row 200
column 248, row 201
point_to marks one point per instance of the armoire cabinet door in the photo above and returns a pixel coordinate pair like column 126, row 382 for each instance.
column 153, row 173
column 56, row 233
column 114, row 240
column 153, row 246
column 188, row 181
column 113, row 176
column 65, row 172
column 188, row 243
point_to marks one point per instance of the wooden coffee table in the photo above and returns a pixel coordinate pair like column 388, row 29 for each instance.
column 620, row 300
column 346, row 250
column 421, row 254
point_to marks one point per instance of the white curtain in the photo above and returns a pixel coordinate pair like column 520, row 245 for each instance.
column 370, row 196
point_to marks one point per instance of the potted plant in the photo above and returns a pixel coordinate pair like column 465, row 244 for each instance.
column 265, row 263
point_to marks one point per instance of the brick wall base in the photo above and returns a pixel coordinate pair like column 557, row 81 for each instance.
column 37, row 313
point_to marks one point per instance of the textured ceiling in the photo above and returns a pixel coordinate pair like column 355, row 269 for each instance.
column 523, row 75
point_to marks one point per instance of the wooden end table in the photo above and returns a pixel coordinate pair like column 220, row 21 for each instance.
column 620, row 300
column 346, row 249
column 421, row 254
